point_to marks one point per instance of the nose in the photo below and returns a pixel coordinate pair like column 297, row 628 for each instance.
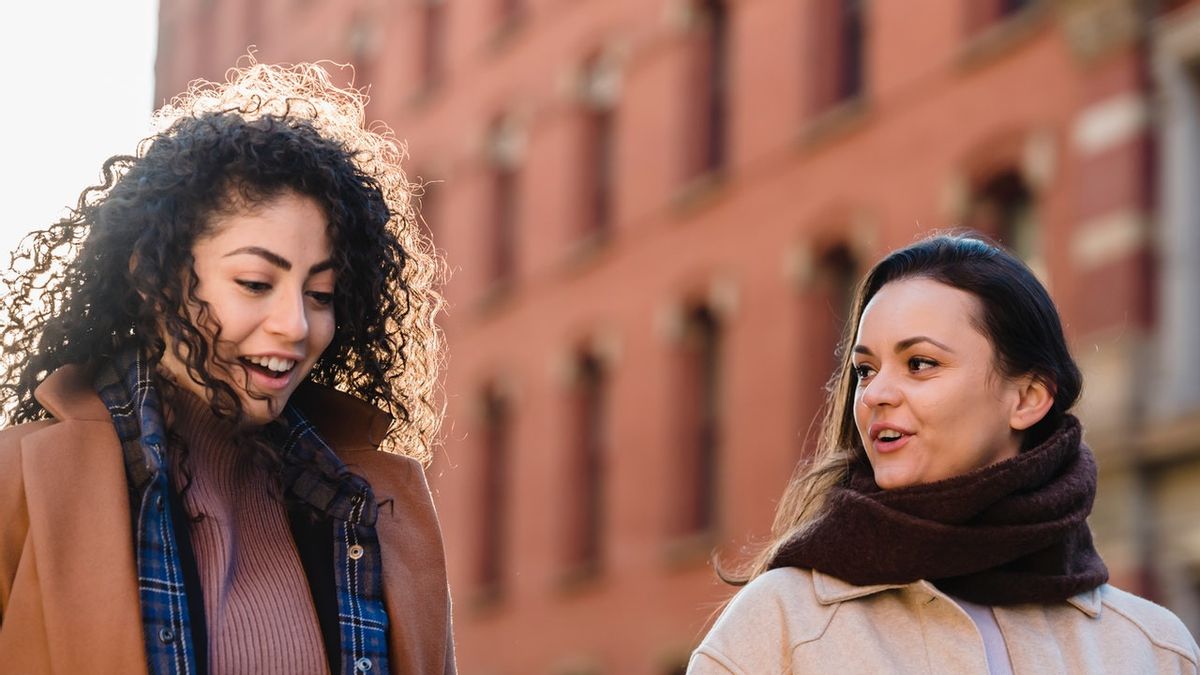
column 882, row 390
column 288, row 318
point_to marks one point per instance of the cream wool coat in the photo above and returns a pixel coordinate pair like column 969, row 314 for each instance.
column 800, row 621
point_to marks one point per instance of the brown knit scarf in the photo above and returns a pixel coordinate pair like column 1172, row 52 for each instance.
column 1010, row 533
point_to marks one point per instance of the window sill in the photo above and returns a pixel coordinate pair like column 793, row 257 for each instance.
column 424, row 96
column 1002, row 37
column 841, row 120
column 580, row 578
column 487, row 600
column 585, row 250
column 505, row 34
column 1173, row 440
column 699, row 192
column 688, row 551
column 495, row 297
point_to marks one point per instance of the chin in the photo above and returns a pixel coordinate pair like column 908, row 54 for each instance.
column 257, row 412
column 891, row 479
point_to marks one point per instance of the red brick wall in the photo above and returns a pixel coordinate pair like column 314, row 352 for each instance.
column 943, row 106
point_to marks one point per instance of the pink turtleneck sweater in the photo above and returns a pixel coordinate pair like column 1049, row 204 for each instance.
column 257, row 605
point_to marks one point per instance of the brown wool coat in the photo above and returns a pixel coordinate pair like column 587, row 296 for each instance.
column 68, row 586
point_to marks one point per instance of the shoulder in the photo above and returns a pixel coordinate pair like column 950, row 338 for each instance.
column 765, row 621
column 778, row 588
column 399, row 481
column 385, row 468
column 11, row 437
column 785, row 598
column 1156, row 623
column 10, row 447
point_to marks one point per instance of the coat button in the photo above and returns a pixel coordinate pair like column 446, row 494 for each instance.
column 362, row 665
column 356, row 552
column 166, row 635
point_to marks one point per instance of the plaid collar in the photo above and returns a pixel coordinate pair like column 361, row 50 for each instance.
column 311, row 473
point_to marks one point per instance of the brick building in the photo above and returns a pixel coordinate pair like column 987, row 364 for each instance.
column 655, row 211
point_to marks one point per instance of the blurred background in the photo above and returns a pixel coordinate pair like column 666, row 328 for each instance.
column 655, row 212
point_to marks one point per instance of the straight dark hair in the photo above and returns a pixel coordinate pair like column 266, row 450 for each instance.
column 1017, row 316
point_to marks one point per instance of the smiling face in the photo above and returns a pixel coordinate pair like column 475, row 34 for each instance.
column 266, row 274
column 930, row 403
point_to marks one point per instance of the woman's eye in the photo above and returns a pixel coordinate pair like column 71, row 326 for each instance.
column 323, row 299
column 918, row 363
column 254, row 286
column 863, row 372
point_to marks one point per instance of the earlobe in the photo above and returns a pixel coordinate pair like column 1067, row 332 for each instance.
column 1034, row 400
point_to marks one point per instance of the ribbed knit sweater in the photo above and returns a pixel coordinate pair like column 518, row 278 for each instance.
column 257, row 605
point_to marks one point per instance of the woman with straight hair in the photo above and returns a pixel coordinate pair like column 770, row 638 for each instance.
column 221, row 369
column 940, row 525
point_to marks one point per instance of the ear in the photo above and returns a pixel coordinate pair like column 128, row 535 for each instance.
column 1034, row 399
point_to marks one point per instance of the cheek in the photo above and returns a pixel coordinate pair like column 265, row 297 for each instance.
column 321, row 330
column 955, row 412
column 236, row 317
column 862, row 417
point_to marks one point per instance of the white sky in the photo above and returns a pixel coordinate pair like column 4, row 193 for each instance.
column 78, row 88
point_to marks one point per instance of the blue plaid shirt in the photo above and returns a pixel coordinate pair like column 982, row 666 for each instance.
column 311, row 473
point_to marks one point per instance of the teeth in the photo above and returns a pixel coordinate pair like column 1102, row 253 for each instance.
column 889, row 435
column 272, row 363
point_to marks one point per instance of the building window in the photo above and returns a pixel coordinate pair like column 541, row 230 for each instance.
column 825, row 308
column 509, row 13
column 708, row 84
column 600, row 92
column 837, row 279
column 504, row 218
column 836, row 65
column 585, row 536
column 493, row 493
column 206, row 36
column 1176, row 230
column 429, row 208
column 361, row 45
column 504, row 178
column 1002, row 207
column 252, row 19
column 599, row 158
column 433, row 27
column 698, row 395
column 984, row 13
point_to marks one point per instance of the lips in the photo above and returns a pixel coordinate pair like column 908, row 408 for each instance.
column 275, row 364
column 887, row 437
column 270, row 372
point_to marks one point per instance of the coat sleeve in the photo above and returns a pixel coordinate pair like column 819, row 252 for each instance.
column 14, row 513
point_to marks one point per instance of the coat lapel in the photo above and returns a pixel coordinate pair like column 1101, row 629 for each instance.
column 79, row 527
column 82, row 542
column 414, row 565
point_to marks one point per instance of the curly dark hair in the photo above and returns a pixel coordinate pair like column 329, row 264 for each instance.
column 118, row 272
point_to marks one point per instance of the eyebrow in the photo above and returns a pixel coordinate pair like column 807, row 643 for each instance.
column 278, row 260
column 905, row 344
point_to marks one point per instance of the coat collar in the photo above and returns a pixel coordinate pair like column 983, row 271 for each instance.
column 344, row 421
column 67, row 394
column 831, row 590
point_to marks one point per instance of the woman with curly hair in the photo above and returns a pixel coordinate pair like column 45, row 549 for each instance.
column 221, row 369
column 940, row 525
